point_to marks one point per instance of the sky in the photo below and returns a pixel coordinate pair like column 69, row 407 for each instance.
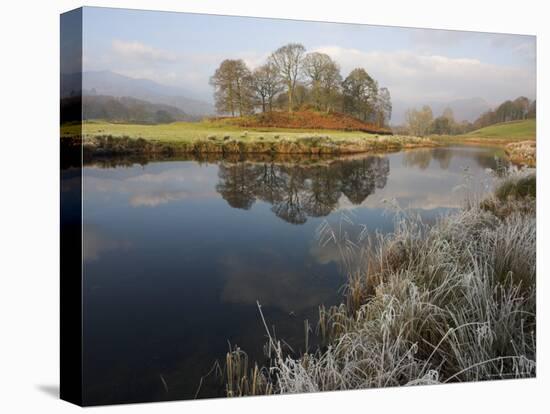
column 417, row 65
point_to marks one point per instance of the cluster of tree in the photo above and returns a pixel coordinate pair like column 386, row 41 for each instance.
column 130, row 110
column 292, row 78
column 297, row 191
column 518, row 109
column 421, row 122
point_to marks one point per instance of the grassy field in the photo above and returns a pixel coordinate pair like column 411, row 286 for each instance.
column 515, row 130
column 221, row 136
column 193, row 131
column 218, row 137
column 504, row 132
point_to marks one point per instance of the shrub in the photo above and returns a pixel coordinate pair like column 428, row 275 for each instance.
column 517, row 188
column 514, row 194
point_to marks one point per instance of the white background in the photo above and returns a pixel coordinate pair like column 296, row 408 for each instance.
column 29, row 207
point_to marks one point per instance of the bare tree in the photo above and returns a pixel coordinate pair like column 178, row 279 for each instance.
column 313, row 67
column 324, row 79
column 232, row 83
column 383, row 107
column 419, row 121
column 266, row 83
column 332, row 86
column 288, row 61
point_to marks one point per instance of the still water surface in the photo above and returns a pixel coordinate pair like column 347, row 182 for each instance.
column 176, row 254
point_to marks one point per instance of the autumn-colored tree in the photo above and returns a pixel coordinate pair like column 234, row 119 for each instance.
column 232, row 83
column 518, row 109
column 420, row 121
column 441, row 126
column 291, row 79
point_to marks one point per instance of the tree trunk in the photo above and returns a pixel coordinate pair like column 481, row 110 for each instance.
column 289, row 97
column 231, row 103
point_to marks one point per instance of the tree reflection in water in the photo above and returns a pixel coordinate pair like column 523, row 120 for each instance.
column 298, row 191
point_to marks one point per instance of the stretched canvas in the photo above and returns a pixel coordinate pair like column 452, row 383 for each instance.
column 255, row 206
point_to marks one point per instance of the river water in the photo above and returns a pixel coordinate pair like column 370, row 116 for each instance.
column 178, row 252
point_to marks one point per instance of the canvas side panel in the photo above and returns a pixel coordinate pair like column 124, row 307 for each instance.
column 71, row 207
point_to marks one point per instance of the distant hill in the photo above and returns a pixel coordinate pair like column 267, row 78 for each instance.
column 516, row 130
column 113, row 84
column 124, row 109
column 463, row 109
column 305, row 119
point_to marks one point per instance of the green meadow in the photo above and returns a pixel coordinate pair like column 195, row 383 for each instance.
column 196, row 131
column 506, row 131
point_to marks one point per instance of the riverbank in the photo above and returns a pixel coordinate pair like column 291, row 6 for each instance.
column 517, row 138
column 102, row 138
column 451, row 302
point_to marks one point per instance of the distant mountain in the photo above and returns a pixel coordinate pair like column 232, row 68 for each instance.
column 463, row 109
column 124, row 109
column 113, row 84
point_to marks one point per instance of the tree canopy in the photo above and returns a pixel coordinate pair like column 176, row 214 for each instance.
column 292, row 79
column 232, row 82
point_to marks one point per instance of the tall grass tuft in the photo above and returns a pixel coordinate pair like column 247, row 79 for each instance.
column 240, row 380
column 450, row 302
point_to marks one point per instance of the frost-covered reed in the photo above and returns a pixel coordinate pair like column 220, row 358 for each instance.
column 450, row 302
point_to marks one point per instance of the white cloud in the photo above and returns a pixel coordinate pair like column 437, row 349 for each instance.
column 188, row 70
column 420, row 78
column 142, row 189
column 164, row 197
column 140, row 52
column 96, row 242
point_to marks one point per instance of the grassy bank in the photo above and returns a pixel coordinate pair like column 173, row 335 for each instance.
column 499, row 134
column 518, row 138
column 219, row 137
column 506, row 131
column 451, row 302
